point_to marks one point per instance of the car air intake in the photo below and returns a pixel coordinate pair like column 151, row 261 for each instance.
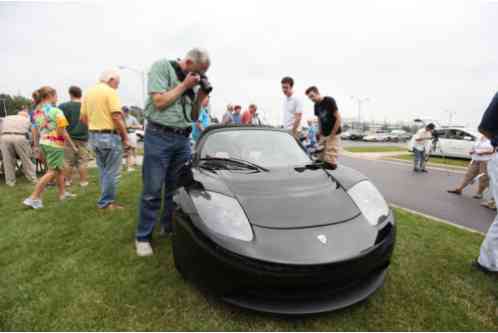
column 383, row 233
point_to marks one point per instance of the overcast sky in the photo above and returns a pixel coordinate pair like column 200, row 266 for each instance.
column 411, row 58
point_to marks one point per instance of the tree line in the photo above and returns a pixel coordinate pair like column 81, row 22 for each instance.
column 9, row 105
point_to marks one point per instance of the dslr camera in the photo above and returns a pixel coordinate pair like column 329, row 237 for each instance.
column 205, row 85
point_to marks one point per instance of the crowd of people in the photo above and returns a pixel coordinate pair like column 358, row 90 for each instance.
column 177, row 111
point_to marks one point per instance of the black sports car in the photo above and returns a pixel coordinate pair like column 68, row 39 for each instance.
column 260, row 224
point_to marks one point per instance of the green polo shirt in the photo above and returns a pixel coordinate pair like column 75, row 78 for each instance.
column 162, row 78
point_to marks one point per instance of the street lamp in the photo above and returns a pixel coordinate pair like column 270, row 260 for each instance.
column 360, row 101
column 141, row 73
column 450, row 116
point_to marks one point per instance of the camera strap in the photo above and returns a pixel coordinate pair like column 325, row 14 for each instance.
column 188, row 93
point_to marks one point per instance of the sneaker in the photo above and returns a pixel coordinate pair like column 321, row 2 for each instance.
column 490, row 205
column 143, row 249
column 68, row 183
column 479, row 267
column 67, row 195
column 477, row 196
column 84, row 184
column 11, row 184
column 424, row 170
column 131, row 169
column 458, row 192
column 35, row 204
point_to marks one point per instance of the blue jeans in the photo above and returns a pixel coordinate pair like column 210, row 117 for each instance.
column 419, row 159
column 109, row 154
column 163, row 154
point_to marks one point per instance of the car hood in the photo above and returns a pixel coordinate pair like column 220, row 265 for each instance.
column 285, row 198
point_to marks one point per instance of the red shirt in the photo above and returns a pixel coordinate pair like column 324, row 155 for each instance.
column 246, row 118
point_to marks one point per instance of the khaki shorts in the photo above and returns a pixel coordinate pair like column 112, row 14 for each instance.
column 77, row 159
column 331, row 145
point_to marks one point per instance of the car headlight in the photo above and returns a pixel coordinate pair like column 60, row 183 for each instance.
column 223, row 215
column 370, row 202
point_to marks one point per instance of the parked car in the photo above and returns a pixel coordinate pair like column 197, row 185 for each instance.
column 356, row 136
column 451, row 142
column 262, row 226
column 377, row 137
column 398, row 136
column 346, row 135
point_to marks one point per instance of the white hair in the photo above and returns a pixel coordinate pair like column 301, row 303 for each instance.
column 108, row 75
column 198, row 56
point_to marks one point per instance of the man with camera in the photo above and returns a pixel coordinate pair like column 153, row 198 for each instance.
column 421, row 147
column 176, row 90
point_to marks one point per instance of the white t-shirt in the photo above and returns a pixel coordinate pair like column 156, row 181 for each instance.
column 483, row 145
column 292, row 106
column 425, row 144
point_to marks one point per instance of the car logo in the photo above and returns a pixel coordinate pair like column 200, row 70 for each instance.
column 322, row 238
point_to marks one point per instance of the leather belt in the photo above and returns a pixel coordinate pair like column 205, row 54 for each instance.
column 167, row 129
column 104, row 131
column 14, row 133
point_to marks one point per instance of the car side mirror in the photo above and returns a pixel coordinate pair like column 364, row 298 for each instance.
column 185, row 177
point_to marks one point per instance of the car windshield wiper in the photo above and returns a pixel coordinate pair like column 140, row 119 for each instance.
column 232, row 160
column 317, row 166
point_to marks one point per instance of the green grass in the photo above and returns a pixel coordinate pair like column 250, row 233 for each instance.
column 374, row 149
column 436, row 160
column 71, row 267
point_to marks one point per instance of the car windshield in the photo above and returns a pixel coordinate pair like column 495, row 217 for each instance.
column 269, row 149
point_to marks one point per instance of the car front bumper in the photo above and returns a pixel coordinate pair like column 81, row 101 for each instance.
column 280, row 288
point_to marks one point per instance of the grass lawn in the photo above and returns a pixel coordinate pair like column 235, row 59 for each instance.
column 71, row 267
column 374, row 149
column 438, row 160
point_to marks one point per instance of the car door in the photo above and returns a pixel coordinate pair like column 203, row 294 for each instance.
column 465, row 143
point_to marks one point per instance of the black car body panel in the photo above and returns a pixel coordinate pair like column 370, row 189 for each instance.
column 312, row 249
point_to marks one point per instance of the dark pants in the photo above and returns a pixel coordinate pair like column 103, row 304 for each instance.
column 163, row 154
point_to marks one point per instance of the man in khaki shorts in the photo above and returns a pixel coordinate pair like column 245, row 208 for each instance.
column 79, row 134
column 15, row 144
column 329, row 123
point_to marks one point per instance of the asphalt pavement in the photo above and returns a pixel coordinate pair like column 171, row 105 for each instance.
column 425, row 192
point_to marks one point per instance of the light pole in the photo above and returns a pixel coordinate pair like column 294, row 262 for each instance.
column 360, row 101
column 141, row 73
column 450, row 116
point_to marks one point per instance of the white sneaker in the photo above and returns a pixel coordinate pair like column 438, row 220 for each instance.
column 35, row 204
column 84, row 184
column 67, row 195
column 131, row 169
column 143, row 249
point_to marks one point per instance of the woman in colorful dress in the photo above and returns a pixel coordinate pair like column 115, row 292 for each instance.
column 51, row 125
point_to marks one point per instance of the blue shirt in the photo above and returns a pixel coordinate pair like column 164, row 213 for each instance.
column 204, row 121
column 312, row 135
column 236, row 118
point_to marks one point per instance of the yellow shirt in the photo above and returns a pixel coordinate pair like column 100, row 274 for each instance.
column 98, row 105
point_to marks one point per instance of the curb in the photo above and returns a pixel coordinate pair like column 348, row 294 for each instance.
column 437, row 165
column 437, row 219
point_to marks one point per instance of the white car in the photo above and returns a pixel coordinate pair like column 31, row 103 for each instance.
column 452, row 142
column 377, row 137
